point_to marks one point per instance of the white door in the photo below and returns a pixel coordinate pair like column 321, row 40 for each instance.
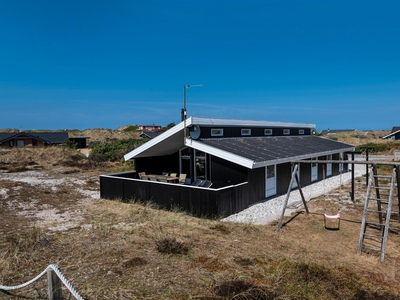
column 328, row 166
column 271, row 181
column 314, row 170
column 294, row 185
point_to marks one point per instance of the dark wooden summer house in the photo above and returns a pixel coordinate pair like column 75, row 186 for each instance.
column 226, row 164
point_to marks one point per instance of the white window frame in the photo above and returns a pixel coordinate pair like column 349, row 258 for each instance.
column 268, row 131
column 245, row 131
column 286, row 131
column 217, row 132
column 301, row 131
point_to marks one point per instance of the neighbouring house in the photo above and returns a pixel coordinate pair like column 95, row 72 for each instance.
column 243, row 162
column 150, row 134
column 394, row 135
column 150, row 127
column 22, row 139
column 335, row 131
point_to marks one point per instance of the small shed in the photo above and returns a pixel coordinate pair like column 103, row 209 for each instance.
column 80, row 141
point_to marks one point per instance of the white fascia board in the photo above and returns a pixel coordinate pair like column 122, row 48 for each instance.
column 300, row 157
column 153, row 142
column 235, row 122
column 393, row 133
column 245, row 162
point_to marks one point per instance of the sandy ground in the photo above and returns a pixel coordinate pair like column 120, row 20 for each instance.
column 44, row 203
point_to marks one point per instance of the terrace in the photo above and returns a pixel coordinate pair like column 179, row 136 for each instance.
column 199, row 201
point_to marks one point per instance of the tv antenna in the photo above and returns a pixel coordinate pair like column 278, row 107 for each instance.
column 185, row 87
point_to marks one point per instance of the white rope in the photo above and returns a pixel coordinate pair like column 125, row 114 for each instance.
column 15, row 287
column 59, row 274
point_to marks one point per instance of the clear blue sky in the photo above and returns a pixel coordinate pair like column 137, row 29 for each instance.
column 87, row 64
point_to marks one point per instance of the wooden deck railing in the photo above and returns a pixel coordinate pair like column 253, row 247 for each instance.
column 201, row 202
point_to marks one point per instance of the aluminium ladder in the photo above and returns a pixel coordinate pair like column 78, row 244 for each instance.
column 379, row 199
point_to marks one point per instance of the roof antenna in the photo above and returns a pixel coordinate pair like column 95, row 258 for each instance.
column 183, row 112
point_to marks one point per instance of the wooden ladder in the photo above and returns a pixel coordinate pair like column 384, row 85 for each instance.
column 379, row 209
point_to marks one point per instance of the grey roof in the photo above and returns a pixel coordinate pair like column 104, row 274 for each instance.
column 6, row 135
column 150, row 134
column 334, row 131
column 395, row 129
column 47, row 137
column 264, row 149
column 250, row 152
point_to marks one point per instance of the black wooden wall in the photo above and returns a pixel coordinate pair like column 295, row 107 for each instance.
column 158, row 164
column 225, row 173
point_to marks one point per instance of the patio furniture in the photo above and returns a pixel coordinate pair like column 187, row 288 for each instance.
column 152, row 177
column 162, row 179
column 182, row 178
column 173, row 174
column 205, row 183
column 196, row 182
column 142, row 175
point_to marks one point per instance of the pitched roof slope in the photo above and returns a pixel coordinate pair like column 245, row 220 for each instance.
column 279, row 149
column 395, row 130
column 50, row 137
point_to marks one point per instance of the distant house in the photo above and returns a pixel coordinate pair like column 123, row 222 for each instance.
column 150, row 127
column 23, row 139
column 394, row 135
column 245, row 161
column 335, row 131
column 149, row 134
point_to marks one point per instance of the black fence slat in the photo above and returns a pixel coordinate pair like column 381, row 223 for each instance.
column 200, row 202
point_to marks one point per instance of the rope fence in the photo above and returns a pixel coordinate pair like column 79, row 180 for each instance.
column 54, row 279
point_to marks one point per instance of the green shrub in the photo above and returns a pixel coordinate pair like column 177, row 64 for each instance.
column 115, row 150
column 130, row 128
column 375, row 148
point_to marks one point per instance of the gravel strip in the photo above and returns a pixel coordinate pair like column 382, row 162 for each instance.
column 265, row 212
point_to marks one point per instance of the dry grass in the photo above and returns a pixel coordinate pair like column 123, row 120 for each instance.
column 115, row 250
column 360, row 138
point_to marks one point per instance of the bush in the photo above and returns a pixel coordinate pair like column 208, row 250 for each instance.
column 375, row 148
column 115, row 150
column 130, row 128
column 171, row 246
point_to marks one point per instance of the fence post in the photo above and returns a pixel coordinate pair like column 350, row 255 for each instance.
column 53, row 285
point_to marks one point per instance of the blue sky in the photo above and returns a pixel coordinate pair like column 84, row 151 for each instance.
column 103, row 64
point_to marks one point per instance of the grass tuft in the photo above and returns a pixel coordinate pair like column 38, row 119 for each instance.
column 171, row 246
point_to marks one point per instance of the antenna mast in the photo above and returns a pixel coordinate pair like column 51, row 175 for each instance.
column 185, row 87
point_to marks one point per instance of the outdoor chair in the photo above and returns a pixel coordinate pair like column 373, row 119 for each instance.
column 205, row 183
column 182, row 178
column 162, row 179
column 173, row 174
column 142, row 175
column 165, row 173
column 196, row 182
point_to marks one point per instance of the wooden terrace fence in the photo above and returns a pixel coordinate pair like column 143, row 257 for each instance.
column 200, row 202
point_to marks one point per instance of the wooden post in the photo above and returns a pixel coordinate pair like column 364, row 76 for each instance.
column 301, row 193
column 398, row 189
column 287, row 197
column 53, row 285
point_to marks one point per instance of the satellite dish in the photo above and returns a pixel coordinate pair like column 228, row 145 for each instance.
column 194, row 131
